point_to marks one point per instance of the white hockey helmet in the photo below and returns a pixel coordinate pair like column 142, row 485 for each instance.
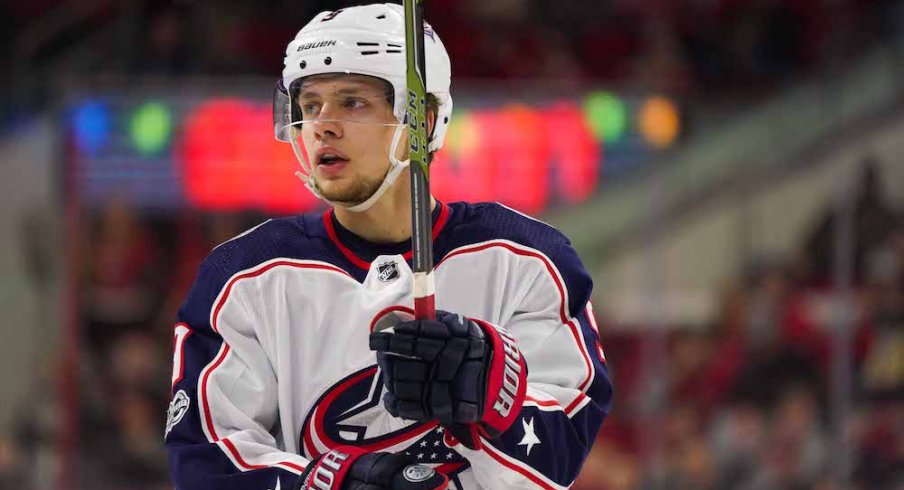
column 365, row 40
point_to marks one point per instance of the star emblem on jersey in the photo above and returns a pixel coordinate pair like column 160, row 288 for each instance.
column 388, row 271
column 430, row 449
column 530, row 438
column 277, row 487
column 177, row 409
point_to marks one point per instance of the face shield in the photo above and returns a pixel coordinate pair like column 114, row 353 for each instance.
column 353, row 104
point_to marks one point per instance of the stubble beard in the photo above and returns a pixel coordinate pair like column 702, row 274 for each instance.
column 354, row 193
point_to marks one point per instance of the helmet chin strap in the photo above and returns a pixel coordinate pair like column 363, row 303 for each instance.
column 395, row 169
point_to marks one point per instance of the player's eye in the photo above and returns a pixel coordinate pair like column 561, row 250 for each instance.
column 354, row 103
column 310, row 108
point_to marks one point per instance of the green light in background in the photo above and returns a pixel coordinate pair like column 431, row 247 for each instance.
column 606, row 116
column 151, row 127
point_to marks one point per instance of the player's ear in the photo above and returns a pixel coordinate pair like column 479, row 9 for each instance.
column 432, row 111
column 431, row 121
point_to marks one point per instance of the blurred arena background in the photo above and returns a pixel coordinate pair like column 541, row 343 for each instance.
column 731, row 172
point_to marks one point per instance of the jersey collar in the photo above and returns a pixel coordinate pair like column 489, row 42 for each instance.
column 361, row 252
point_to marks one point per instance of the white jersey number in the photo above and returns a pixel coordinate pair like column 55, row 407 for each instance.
column 181, row 333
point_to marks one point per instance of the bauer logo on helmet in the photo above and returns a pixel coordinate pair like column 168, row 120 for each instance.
column 319, row 44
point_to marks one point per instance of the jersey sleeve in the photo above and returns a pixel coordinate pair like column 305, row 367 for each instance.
column 569, row 392
column 223, row 417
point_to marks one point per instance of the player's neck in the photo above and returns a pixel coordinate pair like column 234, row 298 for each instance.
column 388, row 220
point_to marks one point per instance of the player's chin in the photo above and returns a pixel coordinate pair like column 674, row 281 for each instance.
column 342, row 182
column 343, row 193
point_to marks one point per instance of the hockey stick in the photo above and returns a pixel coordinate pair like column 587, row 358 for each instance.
column 421, row 214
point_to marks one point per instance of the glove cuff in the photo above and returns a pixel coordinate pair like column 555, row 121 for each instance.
column 506, row 381
column 329, row 469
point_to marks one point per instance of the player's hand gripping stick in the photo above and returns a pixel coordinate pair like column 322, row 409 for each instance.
column 463, row 373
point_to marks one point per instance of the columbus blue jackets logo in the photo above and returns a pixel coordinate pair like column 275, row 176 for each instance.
column 388, row 271
column 351, row 413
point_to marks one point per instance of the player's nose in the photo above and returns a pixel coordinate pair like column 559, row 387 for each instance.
column 328, row 123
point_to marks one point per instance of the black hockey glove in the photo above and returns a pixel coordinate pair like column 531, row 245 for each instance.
column 350, row 468
column 463, row 373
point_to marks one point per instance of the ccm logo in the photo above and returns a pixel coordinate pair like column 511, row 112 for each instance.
column 511, row 376
column 325, row 474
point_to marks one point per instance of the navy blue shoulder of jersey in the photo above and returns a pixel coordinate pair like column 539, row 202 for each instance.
column 471, row 224
column 295, row 237
column 299, row 237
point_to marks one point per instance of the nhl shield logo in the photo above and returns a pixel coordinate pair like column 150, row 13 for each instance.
column 388, row 271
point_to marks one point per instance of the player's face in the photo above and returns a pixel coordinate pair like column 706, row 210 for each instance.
column 349, row 140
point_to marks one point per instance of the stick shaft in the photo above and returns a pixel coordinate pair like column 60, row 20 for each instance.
column 421, row 216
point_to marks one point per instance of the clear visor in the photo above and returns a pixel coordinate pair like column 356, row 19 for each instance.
column 328, row 103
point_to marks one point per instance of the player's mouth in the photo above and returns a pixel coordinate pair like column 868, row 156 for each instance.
column 330, row 161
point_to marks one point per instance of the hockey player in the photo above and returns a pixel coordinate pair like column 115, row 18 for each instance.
column 297, row 363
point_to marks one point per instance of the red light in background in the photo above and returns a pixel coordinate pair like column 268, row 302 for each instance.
column 510, row 155
column 520, row 152
column 462, row 170
column 230, row 160
column 573, row 151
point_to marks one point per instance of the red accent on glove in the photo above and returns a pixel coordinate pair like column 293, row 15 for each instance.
column 331, row 468
column 506, row 381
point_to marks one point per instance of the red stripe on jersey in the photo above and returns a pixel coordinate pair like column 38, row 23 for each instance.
column 447, row 468
column 573, row 326
column 437, row 227
column 318, row 422
column 524, row 252
column 592, row 319
column 205, row 402
column 575, row 403
column 363, row 264
column 308, row 441
column 518, row 469
column 388, row 310
column 218, row 361
column 543, row 403
column 331, row 232
column 562, row 294
column 257, row 272
column 248, row 466
column 554, row 403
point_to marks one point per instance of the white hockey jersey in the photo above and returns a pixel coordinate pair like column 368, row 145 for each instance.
column 271, row 364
